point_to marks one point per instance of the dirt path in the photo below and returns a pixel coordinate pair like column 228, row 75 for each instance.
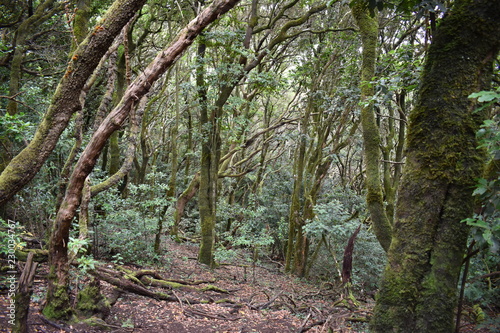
column 260, row 299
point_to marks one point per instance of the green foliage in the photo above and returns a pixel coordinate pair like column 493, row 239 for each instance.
column 117, row 259
column 251, row 229
column 486, row 223
column 15, row 127
column 9, row 233
column 482, row 290
column 77, row 246
column 336, row 219
column 86, row 263
column 420, row 7
column 126, row 226
column 488, row 98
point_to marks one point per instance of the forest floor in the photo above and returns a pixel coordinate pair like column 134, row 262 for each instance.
column 247, row 299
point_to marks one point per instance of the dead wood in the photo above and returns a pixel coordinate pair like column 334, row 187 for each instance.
column 199, row 313
column 316, row 323
column 358, row 319
column 191, row 283
column 181, row 286
column 126, row 280
column 266, row 304
column 129, row 286
column 156, row 275
column 23, row 295
column 54, row 324
column 39, row 255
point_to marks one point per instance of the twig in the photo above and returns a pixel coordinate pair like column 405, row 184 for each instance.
column 194, row 312
column 180, row 302
column 305, row 321
column 53, row 324
column 266, row 304
column 307, row 328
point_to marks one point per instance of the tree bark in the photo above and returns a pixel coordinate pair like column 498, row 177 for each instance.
column 23, row 295
column 183, row 199
column 419, row 287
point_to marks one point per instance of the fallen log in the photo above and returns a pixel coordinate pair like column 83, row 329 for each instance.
column 127, row 280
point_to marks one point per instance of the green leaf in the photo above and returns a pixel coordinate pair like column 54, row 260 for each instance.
column 485, row 96
column 477, row 223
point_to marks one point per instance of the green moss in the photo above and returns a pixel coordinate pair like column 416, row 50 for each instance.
column 57, row 306
column 96, row 322
column 91, row 302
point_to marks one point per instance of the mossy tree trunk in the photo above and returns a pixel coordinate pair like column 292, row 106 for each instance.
column 171, row 190
column 368, row 28
column 210, row 123
column 419, row 287
column 295, row 219
column 81, row 21
column 206, row 204
column 65, row 101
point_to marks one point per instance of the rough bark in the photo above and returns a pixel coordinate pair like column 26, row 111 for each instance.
column 65, row 100
column 57, row 298
column 183, row 199
column 81, row 20
column 128, row 161
column 419, row 287
column 23, row 295
column 347, row 261
column 208, row 185
column 368, row 27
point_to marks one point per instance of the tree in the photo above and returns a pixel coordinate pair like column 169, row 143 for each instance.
column 419, row 286
column 239, row 67
column 368, row 27
column 57, row 298
column 65, row 101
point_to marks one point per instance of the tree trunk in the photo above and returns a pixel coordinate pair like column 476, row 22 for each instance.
column 23, row 295
column 419, row 287
column 209, row 164
column 170, row 195
column 183, row 199
column 295, row 218
column 43, row 12
column 368, row 27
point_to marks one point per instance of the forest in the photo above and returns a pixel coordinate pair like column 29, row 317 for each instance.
column 250, row 166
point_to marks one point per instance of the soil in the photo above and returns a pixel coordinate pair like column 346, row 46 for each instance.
column 259, row 298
